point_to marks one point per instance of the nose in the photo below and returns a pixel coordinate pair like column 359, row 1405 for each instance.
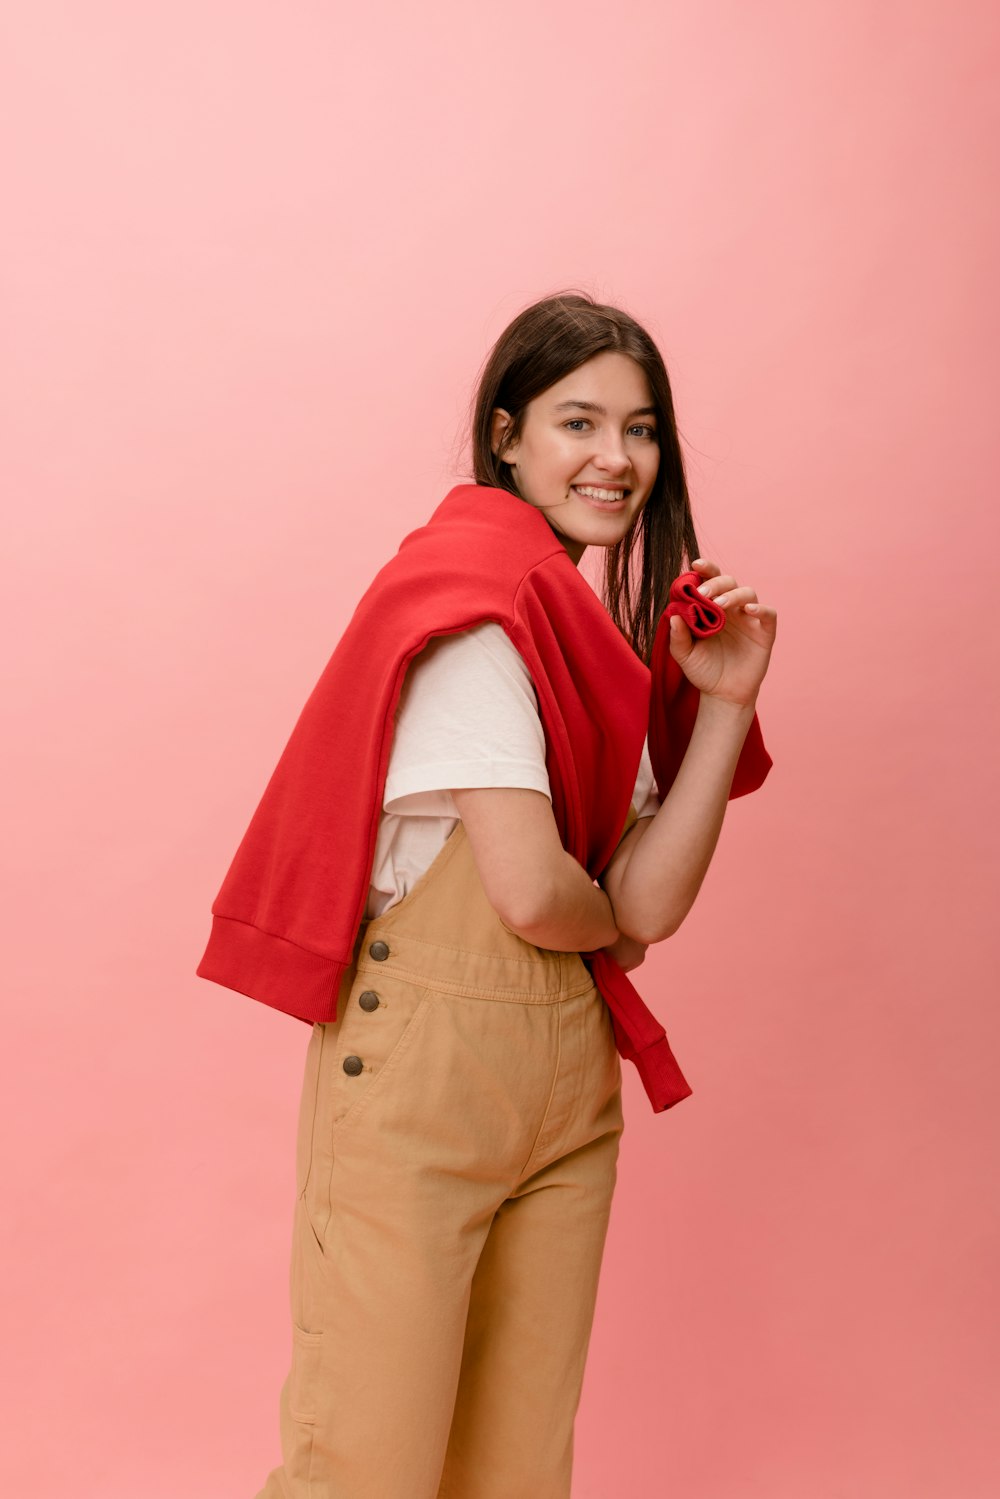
column 612, row 459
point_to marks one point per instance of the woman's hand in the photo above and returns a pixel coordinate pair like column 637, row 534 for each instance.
column 729, row 665
column 626, row 951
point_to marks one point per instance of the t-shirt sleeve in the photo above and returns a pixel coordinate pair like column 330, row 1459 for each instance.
column 645, row 799
column 467, row 716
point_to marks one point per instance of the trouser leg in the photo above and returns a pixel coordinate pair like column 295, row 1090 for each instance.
column 366, row 1408
column 528, row 1330
column 384, row 1249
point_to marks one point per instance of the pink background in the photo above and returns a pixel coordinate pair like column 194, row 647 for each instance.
column 254, row 258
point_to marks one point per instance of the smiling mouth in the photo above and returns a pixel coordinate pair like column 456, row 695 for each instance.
column 600, row 498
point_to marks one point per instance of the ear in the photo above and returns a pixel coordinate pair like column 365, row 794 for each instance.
column 500, row 424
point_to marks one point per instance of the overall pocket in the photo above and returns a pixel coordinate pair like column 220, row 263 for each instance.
column 381, row 1020
column 304, row 1377
column 308, row 1110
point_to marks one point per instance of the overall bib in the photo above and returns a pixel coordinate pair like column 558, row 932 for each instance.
column 455, row 1165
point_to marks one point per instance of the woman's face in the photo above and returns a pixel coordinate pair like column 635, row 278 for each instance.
column 594, row 429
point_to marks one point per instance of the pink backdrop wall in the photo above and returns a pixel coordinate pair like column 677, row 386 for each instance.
column 254, row 257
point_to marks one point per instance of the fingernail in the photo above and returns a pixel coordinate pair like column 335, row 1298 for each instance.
column 702, row 588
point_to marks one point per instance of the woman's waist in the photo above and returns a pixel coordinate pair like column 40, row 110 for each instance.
column 464, row 963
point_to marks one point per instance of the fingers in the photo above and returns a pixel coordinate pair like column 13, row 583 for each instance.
column 732, row 597
column 723, row 589
column 718, row 584
column 764, row 614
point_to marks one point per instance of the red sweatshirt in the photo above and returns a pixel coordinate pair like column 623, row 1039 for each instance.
column 286, row 917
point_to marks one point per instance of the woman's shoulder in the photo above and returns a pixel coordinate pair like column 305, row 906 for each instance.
column 485, row 646
column 487, row 635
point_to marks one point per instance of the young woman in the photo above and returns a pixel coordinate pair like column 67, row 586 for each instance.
column 461, row 1110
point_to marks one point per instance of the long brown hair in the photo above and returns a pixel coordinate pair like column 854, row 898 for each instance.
column 544, row 343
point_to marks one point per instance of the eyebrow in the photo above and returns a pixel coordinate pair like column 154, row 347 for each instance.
column 593, row 406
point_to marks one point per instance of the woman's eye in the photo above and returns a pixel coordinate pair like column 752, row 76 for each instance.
column 642, row 426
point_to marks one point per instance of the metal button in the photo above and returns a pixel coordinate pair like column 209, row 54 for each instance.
column 369, row 1000
column 353, row 1065
column 379, row 950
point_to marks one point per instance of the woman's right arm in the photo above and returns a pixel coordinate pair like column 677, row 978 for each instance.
column 539, row 891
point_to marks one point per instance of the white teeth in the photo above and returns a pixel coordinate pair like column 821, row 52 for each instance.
column 599, row 494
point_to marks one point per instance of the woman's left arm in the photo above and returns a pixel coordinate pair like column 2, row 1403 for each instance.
column 655, row 875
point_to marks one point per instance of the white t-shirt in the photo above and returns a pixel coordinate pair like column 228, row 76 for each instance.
column 467, row 716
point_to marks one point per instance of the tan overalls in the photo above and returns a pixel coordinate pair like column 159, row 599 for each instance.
column 456, row 1159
